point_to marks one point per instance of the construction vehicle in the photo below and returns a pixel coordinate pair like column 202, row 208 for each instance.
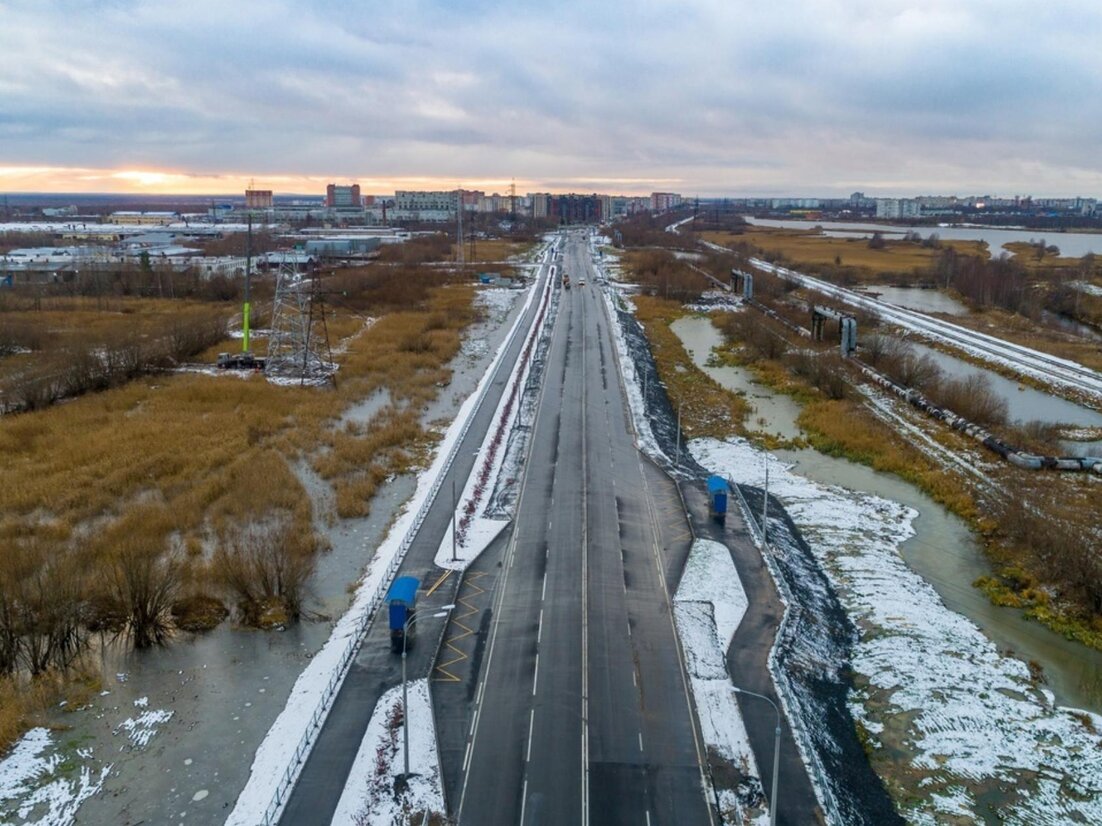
column 565, row 281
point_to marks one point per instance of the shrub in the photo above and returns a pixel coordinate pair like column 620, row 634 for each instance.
column 266, row 564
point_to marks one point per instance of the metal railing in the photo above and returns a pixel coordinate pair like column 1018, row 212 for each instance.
column 321, row 711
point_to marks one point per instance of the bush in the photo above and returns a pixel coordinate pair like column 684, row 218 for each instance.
column 145, row 580
column 266, row 565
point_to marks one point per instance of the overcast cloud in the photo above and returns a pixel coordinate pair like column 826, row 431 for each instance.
column 699, row 97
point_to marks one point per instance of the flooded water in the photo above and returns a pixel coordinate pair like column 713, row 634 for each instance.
column 943, row 549
column 1071, row 244
column 926, row 301
column 1023, row 403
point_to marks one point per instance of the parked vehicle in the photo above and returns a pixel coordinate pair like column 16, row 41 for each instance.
column 402, row 602
column 717, row 497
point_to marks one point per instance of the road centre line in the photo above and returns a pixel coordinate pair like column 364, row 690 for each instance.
column 500, row 598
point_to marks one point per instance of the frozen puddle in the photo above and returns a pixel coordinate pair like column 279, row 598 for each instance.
column 957, row 729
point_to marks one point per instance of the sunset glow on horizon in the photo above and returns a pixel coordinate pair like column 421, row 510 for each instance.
column 84, row 180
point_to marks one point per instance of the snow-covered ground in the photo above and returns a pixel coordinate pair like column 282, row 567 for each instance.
column 306, row 708
column 370, row 797
column 711, row 300
column 709, row 606
column 963, row 729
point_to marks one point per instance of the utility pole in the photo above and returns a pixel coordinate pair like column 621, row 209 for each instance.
column 455, row 508
column 459, row 228
column 678, row 462
column 765, row 510
column 246, row 309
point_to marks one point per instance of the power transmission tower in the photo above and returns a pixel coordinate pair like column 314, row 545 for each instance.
column 297, row 349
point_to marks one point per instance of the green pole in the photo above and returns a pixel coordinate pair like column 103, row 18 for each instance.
column 248, row 266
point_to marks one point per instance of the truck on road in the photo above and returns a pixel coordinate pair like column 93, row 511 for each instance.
column 402, row 605
column 717, row 497
column 565, row 281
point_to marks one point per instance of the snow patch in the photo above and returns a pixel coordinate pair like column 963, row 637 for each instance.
column 36, row 779
column 971, row 717
column 141, row 729
column 369, row 797
column 709, row 605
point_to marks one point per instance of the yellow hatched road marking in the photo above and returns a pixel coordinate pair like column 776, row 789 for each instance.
column 444, row 675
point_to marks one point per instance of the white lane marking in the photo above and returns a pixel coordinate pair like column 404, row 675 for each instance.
column 539, row 630
column 640, row 741
column 585, row 598
column 648, row 817
column 523, row 799
column 531, row 726
column 543, row 590
column 467, row 756
column 499, row 601
column 536, row 677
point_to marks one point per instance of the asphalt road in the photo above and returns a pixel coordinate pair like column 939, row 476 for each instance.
column 375, row 669
column 581, row 712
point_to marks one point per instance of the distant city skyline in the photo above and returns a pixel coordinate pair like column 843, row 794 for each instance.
column 707, row 98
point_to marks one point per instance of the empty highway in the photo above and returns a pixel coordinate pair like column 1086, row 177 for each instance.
column 580, row 711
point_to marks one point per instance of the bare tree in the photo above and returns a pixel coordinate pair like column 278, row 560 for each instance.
column 267, row 565
column 145, row 581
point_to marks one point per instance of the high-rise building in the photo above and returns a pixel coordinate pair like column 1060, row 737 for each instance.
column 664, row 201
column 258, row 199
column 343, row 196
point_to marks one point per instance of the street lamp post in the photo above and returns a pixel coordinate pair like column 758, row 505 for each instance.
column 444, row 609
column 455, row 507
column 765, row 510
column 678, row 462
column 776, row 751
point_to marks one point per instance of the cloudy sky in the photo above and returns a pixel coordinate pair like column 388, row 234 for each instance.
column 703, row 97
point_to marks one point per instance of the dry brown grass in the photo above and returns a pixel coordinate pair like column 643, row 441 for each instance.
column 185, row 455
column 1040, row 555
column 174, row 464
column 848, row 429
column 497, row 250
column 63, row 318
column 708, row 409
column 809, row 248
column 25, row 703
